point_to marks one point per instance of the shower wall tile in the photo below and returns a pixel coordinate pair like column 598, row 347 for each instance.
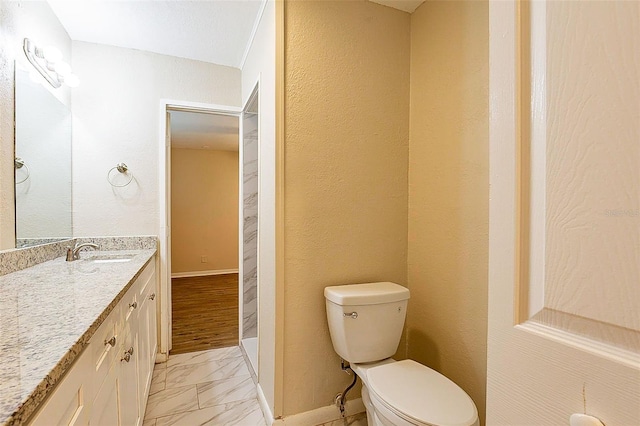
column 250, row 234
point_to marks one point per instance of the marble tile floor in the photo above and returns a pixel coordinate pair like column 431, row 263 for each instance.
column 212, row 387
column 359, row 419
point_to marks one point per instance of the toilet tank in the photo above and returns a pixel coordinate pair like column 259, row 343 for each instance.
column 366, row 320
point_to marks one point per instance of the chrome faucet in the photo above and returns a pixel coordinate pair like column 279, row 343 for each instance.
column 74, row 253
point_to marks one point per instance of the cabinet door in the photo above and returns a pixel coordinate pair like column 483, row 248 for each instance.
column 70, row 402
column 105, row 408
column 102, row 349
column 128, row 393
column 147, row 342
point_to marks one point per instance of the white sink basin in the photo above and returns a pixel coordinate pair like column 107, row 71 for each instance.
column 109, row 258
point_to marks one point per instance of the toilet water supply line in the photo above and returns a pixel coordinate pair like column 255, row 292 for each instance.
column 341, row 398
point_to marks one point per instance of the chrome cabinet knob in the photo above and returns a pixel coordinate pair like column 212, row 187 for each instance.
column 111, row 342
column 152, row 296
column 133, row 305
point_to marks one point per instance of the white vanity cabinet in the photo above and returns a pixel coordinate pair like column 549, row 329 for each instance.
column 147, row 337
column 104, row 410
column 109, row 382
column 71, row 401
column 129, row 408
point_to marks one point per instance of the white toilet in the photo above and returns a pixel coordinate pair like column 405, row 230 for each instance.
column 365, row 322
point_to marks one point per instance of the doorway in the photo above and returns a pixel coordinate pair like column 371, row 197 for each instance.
column 250, row 341
column 204, row 226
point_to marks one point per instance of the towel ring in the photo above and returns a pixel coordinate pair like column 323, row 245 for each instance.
column 121, row 168
column 19, row 163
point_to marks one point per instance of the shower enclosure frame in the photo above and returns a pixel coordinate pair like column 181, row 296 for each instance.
column 253, row 97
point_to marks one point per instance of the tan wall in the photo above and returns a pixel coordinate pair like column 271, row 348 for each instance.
column 204, row 210
column 346, row 152
column 448, row 192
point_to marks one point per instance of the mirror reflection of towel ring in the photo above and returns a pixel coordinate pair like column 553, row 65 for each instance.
column 123, row 169
column 19, row 163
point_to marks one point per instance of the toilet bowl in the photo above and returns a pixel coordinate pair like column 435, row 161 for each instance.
column 365, row 323
column 406, row 393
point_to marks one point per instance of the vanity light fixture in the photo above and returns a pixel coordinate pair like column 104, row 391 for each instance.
column 48, row 61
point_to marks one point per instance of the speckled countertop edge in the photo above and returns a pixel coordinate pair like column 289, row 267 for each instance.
column 13, row 260
column 18, row 412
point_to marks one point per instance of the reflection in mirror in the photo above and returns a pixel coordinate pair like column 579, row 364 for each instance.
column 43, row 164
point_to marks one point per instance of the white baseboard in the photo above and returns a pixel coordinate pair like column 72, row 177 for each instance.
column 264, row 406
column 203, row 273
column 321, row 415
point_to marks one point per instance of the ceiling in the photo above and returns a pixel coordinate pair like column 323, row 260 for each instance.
column 194, row 130
column 216, row 31
column 406, row 5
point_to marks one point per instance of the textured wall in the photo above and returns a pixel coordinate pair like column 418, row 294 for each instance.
column 35, row 20
column 204, row 210
column 347, row 125
column 116, row 120
column 448, row 192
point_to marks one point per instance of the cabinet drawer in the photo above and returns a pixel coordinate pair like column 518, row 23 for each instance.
column 132, row 301
column 130, row 307
column 70, row 402
column 147, row 280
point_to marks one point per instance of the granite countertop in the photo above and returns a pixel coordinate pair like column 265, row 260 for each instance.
column 48, row 313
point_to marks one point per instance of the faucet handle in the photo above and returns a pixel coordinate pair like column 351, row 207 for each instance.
column 69, row 254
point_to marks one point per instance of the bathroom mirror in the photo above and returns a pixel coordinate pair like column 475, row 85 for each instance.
column 42, row 164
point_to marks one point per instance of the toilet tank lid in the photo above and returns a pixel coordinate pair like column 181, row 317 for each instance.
column 366, row 294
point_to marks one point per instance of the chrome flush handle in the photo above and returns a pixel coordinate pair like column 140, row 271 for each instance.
column 353, row 315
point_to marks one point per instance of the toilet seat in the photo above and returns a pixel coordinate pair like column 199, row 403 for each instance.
column 420, row 395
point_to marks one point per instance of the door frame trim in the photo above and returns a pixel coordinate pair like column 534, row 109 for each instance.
column 164, row 201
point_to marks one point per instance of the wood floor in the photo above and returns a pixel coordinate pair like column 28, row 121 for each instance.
column 205, row 313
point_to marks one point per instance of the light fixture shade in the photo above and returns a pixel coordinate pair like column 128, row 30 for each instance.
column 62, row 68
column 52, row 54
column 72, row 80
column 48, row 62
